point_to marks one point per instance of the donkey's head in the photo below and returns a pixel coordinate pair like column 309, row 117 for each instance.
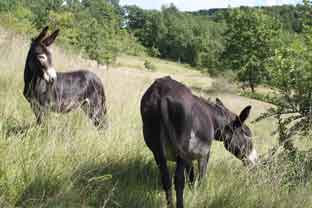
column 237, row 136
column 39, row 58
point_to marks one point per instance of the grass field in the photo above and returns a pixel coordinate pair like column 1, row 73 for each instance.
column 67, row 163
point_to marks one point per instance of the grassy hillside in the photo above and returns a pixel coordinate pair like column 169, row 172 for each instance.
column 67, row 163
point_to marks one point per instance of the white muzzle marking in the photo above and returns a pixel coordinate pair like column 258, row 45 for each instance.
column 50, row 75
column 253, row 156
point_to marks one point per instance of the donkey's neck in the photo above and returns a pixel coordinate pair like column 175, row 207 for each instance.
column 221, row 117
column 29, row 79
column 37, row 89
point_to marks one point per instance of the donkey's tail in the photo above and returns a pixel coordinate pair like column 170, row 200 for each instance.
column 168, row 126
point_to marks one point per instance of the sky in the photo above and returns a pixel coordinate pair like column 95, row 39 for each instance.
column 193, row 5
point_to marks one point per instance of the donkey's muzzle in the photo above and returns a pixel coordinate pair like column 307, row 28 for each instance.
column 50, row 75
column 251, row 159
column 52, row 79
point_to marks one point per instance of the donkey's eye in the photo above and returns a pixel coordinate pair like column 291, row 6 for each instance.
column 42, row 57
column 228, row 128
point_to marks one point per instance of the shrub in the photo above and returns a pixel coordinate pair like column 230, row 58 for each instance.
column 290, row 69
column 250, row 40
column 288, row 169
column 149, row 65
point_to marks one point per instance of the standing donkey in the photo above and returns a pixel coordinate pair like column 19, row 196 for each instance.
column 47, row 90
column 180, row 127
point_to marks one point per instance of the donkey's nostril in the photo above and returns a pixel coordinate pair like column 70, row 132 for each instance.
column 50, row 79
column 51, row 74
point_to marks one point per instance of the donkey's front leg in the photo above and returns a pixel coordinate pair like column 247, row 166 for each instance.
column 39, row 113
column 190, row 173
column 202, row 166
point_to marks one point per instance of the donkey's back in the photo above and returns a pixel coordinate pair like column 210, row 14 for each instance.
column 80, row 88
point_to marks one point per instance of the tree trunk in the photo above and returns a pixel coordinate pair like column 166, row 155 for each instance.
column 251, row 83
column 288, row 145
column 252, row 86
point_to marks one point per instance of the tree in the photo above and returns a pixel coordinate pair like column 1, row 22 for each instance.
column 176, row 35
column 98, row 27
column 249, row 42
column 147, row 26
column 291, row 76
column 41, row 9
column 8, row 5
column 65, row 21
column 207, row 43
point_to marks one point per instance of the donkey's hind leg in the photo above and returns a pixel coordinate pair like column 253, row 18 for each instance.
column 151, row 133
column 95, row 111
column 190, row 173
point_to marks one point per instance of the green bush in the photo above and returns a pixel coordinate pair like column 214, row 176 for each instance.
column 250, row 41
column 149, row 65
column 288, row 169
column 213, row 72
column 21, row 20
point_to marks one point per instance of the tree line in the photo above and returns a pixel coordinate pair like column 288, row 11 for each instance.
column 93, row 27
column 102, row 28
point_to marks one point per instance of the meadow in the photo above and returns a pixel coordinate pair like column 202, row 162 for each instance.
column 66, row 162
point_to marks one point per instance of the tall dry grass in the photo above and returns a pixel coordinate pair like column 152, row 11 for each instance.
column 67, row 163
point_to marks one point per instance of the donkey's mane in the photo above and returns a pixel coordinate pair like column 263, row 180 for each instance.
column 221, row 110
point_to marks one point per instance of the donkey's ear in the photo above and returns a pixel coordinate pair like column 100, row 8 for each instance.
column 219, row 102
column 244, row 114
column 51, row 38
column 42, row 34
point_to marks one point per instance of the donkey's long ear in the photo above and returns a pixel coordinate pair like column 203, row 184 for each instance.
column 219, row 102
column 244, row 114
column 42, row 34
column 51, row 38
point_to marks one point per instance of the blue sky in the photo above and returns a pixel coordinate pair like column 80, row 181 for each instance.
column 191, row 5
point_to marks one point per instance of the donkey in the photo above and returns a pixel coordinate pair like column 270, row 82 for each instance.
column 47, row 90
column 179, row 126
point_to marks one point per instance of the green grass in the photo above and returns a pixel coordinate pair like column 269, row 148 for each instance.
column 67, row 163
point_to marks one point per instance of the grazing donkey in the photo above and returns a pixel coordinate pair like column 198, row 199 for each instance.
column 60, row 92
column 180, row 127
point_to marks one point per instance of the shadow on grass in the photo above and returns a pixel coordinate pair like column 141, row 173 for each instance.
column 40, row 189
column 131, row 182
column 134, row 182
column 127, row 183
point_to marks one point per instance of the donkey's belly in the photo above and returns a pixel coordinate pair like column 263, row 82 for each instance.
column 68, row 106
column 197, row 148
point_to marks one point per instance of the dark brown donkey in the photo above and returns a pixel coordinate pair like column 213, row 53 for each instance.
column 180, row 127
column 60, row 92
